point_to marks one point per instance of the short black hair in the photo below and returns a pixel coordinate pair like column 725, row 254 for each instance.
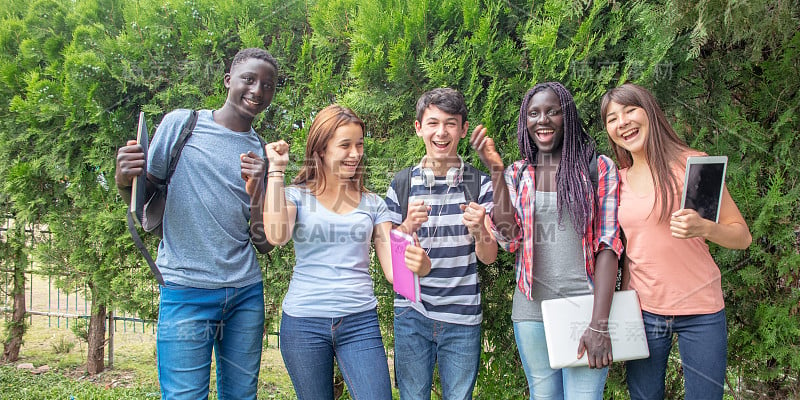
column 252, row 52
column 448, row 100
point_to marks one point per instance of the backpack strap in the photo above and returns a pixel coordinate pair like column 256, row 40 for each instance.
column 177, row 149
column 266, row 160
column 593, row 171
column 521, row 171
column 402, row 188
column 266, row 168
column 471, row 179
column 143, row 249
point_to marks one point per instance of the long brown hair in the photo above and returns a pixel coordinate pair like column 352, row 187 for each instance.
column 663, row 147
column 322, row 130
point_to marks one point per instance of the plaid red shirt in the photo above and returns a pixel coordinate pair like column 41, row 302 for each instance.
column 602, row 232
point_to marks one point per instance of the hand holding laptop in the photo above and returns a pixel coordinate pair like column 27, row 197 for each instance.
column 566, row 318
column 596, row 344
column 130, row 160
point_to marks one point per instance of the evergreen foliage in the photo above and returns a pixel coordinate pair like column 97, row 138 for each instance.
column 75, row 74
column 741, row 97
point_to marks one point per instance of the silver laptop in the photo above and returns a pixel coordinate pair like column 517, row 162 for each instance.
column 566, row 319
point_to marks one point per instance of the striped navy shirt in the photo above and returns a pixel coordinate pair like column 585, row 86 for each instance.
column 451, row 292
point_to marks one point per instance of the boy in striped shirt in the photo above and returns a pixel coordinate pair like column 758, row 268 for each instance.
column 451, row 224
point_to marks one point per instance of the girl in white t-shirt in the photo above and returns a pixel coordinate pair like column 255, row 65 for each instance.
column 330, row 309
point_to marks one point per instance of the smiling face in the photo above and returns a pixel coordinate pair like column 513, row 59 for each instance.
column 343, row 152
column 627, row 126
column 251, row 85
column 545, row 121
column 441, row 132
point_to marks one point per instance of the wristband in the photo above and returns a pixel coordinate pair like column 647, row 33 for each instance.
column 598, row 330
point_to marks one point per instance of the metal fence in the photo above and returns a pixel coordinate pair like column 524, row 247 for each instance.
column 63, row 308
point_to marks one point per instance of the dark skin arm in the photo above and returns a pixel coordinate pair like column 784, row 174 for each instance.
column 253, row 170
column 598, row 344
column 503, row 214
column 626, row 273
column 130, row 163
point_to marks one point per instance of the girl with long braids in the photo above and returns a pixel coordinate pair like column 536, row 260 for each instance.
column 564, row 232
column 668, row 262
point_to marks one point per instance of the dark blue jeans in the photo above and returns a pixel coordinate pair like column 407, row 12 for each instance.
column 420, row 343
column 191, row 322
column 309, row 345
column 703, row 345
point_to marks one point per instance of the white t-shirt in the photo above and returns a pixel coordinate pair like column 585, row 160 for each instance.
column 331, row 274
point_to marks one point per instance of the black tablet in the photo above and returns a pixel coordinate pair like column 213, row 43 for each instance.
column 703, row 185
column 138, row 191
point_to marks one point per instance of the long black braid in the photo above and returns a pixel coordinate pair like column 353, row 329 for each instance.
column 572, row 176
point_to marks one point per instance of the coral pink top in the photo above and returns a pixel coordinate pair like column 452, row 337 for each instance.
column 672, row 276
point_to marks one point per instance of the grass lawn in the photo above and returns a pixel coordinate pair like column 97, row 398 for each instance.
column 133, row 375
column 49, row 342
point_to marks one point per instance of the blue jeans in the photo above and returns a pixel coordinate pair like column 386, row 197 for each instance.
column 309, row 345
column 703, row 345
column 547, row 383
column 420, row 342
column 191, row 322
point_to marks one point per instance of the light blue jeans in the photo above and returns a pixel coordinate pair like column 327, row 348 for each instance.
column 420, row 342
column 309, row 345
column 547, row 383
column 703, row 345
column 191, row 322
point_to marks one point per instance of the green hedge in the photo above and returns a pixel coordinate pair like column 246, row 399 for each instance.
column 75, row 74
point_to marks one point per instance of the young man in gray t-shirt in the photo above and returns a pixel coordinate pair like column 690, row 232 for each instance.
column 212, row 297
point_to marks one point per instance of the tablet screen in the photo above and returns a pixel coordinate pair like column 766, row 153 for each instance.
column 703, row 185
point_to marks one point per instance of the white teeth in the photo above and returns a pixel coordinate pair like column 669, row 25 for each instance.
column 626, row 135
column 544, row 133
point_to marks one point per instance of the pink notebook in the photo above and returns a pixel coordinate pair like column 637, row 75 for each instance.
column 406, row 283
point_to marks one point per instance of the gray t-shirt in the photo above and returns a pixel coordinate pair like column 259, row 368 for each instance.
column 331, row 274
column 558, row 265
column 206, row 219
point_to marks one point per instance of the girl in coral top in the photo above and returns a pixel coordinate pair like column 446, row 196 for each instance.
column 668, row 263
